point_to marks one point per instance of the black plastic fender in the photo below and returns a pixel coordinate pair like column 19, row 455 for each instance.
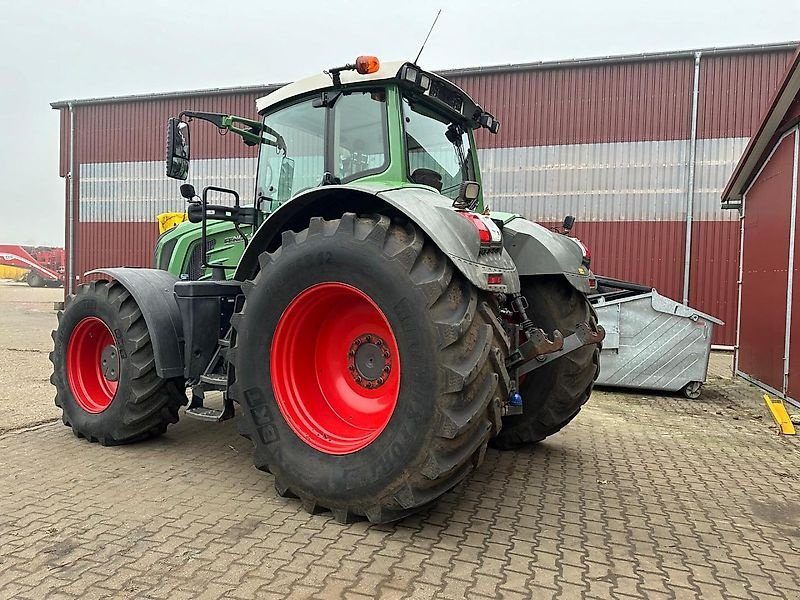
column 536, row 250
column 429, row 210
column 153, row 291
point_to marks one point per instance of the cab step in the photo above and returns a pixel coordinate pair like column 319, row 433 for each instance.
column 216, row 381
column 213, row 415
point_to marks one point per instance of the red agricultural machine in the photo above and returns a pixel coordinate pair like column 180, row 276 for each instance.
column 45, row 265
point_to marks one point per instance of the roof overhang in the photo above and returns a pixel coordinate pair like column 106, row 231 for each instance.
column 757, row 150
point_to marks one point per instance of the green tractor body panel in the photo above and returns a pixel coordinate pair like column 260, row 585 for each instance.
column 178, row 250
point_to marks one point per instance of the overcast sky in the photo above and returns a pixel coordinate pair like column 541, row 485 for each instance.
column 64, row 49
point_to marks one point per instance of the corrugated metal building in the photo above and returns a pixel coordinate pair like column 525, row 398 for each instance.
column 637, row 147
column 764, row 187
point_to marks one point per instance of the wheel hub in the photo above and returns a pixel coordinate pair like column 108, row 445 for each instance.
column 369, row 361
column 109, row 363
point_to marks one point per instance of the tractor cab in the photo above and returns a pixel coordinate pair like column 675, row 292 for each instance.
column 365, row 124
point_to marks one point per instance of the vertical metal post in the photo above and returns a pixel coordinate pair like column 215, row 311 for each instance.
column 739, row 286
column 687, row 256
column 70, row 274
column 790, row 275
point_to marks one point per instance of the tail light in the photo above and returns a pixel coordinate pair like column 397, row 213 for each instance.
column 488, row 233
column 585, row 253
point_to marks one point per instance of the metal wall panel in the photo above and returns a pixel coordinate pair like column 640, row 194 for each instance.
column 114, row 244
column 138, row 191
column 135, row 131
column 764, row 269
column 736, row 90
column 629, row 101
column 715, row 160
column 631, row 181
column 713, row 272
column 647, row 252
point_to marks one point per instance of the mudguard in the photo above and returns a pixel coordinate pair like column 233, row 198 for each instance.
column 429, row 210
column 153, row 291
column 536, row 250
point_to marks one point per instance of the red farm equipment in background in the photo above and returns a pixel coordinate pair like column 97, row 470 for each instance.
column 45, row 265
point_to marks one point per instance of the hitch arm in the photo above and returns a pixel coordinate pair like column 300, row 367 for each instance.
column 536, row 353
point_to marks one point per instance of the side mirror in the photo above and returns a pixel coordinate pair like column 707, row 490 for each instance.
column 177, row 149
column 569, row 222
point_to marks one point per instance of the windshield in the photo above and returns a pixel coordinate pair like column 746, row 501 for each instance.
column 440, row 153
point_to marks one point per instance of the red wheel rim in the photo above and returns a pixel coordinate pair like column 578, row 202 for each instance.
column 335, row 368
column 92, row 365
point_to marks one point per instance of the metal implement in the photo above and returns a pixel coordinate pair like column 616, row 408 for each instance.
column 539, row 350
column 652, row 342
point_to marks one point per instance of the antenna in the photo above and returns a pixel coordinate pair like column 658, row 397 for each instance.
column 427, row 36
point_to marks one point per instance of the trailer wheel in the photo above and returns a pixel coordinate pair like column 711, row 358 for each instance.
column 371, row 373
column 554, row 394
column 104, row 369
column 35, row 280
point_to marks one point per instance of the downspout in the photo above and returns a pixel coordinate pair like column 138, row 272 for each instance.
column 790, row 276
column 687, row 254
column 70, row 275
column 739, row 286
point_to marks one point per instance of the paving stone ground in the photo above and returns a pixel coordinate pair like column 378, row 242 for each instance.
column 643, row 496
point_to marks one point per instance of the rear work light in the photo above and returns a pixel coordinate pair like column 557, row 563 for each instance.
column 488, row 233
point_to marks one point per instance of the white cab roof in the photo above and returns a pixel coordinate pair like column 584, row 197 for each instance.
column 322, row 81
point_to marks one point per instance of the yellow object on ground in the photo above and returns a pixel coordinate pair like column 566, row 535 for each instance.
column 167, row 221
column 15, row 273
column 778, row 411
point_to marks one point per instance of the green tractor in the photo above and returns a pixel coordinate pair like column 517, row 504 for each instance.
column 374, row 324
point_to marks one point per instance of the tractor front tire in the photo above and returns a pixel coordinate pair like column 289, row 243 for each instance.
column 371, row 373
column 553, row 395
column 104, row 369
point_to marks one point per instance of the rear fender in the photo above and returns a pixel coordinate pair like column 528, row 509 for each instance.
column 153, row 291
column 538, row 251
column 429, row 210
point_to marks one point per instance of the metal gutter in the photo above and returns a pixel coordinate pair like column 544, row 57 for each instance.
column 687, row 255
column 70, row 279
column 790, row 276
column 621, row 58
column 465, row 71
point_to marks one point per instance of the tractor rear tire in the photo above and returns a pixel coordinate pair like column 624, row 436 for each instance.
column 370, row 371
column 35, row 280
column 553, row 395
column 104, row 369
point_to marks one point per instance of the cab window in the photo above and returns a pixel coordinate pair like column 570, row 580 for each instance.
column 296, row 161
column 360, row 135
